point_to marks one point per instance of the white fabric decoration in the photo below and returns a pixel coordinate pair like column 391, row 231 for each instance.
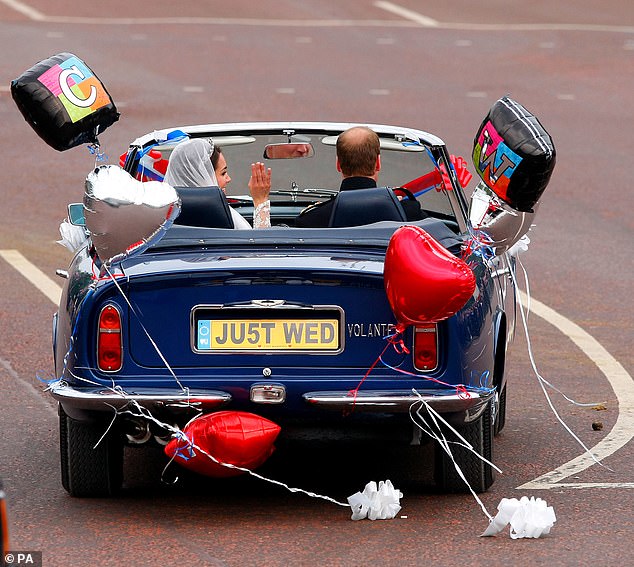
column 520, row 246
column 530, row 518
column 73, row 236
column 374, row 503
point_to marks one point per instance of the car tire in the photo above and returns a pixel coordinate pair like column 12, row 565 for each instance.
column 89, row 471
column 479, row 475
column 500, row 418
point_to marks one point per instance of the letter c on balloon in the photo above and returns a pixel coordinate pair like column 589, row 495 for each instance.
column 70, row 95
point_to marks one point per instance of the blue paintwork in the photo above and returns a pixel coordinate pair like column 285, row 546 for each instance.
column 165, row 287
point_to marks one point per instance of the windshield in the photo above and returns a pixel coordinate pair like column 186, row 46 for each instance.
column 303, row 180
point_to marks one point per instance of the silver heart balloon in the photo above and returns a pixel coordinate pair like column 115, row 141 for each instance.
column 125, row 216
column 502, row 224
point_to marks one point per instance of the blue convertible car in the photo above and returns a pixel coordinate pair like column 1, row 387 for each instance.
column 285, row 323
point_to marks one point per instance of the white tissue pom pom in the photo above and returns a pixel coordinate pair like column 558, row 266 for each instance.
column 376, row 503
column 529, row 518
column 532, row 519
column 73, row 237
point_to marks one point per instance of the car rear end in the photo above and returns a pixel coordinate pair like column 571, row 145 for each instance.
column 287, row 330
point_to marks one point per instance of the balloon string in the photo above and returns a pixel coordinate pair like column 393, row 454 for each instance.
column 147, row 334
column 355, row 391
column 193, row 446
column 396, row 341
column 540, row 379
column 96, row 274
column 434, row 431
column 94, row 149
column 478, row 244
column 462, row 390
column 186, row 452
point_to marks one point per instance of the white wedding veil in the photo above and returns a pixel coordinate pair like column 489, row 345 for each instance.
column 190, row 164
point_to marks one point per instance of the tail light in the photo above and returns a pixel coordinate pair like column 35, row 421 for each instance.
column 425, row 347
column 109, row 345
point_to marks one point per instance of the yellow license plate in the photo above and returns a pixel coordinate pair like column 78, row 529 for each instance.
column 267, row 334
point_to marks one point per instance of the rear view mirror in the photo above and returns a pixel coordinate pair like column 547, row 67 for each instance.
column 289, row 150
column 76, row 214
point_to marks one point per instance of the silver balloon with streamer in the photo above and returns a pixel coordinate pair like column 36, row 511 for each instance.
column 502, row 224
column 125, row 216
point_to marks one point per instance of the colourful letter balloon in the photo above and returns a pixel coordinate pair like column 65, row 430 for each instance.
column 424, row 282
column 514, row 155
column 64, row 101
column 236, row 438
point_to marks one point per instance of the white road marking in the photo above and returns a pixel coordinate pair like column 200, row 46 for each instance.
column 407, row 14
column 24, row 9
column 476, row 94
column 193, row 89
column 623, row 386
column 411, row 20
column 33, row 274
column 379, row 92
column 285, row 90
column 537, row 27
column 564, row 96
column 45, row 401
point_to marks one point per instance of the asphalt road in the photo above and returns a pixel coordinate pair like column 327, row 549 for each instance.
column 164, row 64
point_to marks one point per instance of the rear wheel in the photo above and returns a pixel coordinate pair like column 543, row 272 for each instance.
column 479, row 475
column 89, row 471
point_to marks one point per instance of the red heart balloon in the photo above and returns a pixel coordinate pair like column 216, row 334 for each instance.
column 234, row 437
column 424, row 282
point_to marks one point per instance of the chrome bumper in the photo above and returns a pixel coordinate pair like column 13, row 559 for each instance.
column 401, row 401
column 105, row 399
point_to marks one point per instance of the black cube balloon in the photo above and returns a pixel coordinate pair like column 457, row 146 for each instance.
column 513, row 154
column 64, row 101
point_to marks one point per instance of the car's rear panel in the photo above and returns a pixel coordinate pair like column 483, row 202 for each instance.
column 203, row 317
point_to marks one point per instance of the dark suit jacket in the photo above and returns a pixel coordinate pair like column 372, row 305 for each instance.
column 318, row 215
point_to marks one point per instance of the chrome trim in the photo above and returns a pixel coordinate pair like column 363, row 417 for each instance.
column 399, row 401
column 273, row 305
column 278, row 389
column 501, row 272
column 104, row 399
